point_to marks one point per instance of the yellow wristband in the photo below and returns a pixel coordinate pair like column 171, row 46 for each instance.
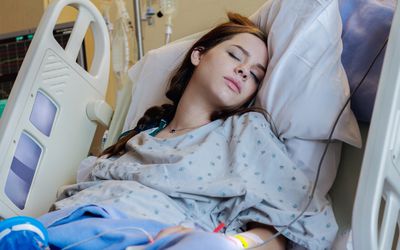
column 242, row 240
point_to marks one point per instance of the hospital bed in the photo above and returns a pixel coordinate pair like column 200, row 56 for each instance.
column 41, row 98
column 49, row 74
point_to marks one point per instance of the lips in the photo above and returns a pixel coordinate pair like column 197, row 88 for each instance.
column 233, row 84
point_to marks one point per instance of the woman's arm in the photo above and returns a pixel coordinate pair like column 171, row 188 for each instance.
column 264, row 233
column 259, row 230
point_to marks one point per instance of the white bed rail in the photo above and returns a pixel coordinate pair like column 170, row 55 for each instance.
column 49, row 121
column 380, row 172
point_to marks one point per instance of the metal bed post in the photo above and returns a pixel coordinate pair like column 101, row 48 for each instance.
column 138, row 26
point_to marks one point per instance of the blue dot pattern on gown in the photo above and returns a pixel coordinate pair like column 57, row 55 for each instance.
column 233, row 171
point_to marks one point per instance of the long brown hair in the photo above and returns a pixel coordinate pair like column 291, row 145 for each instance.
column 237, row 24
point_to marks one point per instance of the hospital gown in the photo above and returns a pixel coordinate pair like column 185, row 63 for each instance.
column 234, row 171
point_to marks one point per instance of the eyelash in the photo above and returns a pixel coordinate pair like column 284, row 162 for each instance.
column 252, row 74
column 233, row 55
column 255, row 78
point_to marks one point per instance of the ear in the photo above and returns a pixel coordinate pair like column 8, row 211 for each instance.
column 196, row 55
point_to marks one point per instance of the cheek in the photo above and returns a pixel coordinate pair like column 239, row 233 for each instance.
column 215, row 63
column 251, row 90
column 213, row 72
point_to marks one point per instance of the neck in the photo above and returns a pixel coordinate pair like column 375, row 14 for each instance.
column 191, row 112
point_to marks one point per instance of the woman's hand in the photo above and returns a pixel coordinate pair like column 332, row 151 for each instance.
column 173, row 230
column 265, row 232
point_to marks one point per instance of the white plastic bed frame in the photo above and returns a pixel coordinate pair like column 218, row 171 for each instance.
column 35, row 156
column 379, row 178
column 376, row 198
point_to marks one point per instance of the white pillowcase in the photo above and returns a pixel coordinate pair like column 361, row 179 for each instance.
column 304, row 88
column 305, row 85
column 150, row 79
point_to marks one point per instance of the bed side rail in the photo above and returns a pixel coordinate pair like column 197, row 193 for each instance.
column 49, row 121
column 379, row 181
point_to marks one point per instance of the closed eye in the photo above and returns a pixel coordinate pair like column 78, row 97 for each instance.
column 255, row 77
column 234, row 56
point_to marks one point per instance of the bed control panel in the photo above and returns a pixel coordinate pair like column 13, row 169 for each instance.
column 45, row 130
column 23, row 167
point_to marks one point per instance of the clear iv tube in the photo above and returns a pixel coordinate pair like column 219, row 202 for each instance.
column 106, row 6
column 122, row 46
column 121, row 42
column 120, row 50
column 168, row 8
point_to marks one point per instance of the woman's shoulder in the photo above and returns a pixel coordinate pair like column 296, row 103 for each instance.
column 248, row 118
column 254, row 116
column 245, row 121
column 252, row 124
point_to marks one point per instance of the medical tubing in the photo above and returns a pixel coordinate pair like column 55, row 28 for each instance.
column 120, row 49
column 168, row 32
column 150, row 238
column 168, row 8
column 106, row 5
column 323, row 154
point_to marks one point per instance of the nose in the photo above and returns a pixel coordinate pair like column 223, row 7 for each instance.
column 241, row 71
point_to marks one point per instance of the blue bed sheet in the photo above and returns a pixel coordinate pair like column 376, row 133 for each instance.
column 78, row 224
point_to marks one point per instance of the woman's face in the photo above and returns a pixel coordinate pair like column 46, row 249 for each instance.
column 229, row 74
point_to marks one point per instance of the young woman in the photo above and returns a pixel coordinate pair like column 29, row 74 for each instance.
column 205, row 158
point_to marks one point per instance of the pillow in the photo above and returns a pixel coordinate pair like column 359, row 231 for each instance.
column 304, row 88
column 361, row 18
column 150, row 79
column 305, row 85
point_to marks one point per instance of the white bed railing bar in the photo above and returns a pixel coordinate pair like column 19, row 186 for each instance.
column 379, row 175
column 389, row 222
column 74, row 102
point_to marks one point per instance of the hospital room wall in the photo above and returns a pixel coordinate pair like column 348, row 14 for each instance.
column 18, row 15
column 194, row 16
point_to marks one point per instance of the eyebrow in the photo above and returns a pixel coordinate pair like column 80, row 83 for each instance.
column 248, row 54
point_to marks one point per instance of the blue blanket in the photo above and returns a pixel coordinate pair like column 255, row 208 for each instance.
column 67, row 227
